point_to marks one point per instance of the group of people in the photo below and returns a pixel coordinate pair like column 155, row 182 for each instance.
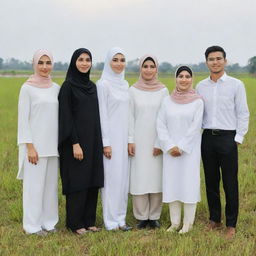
column 139, row 140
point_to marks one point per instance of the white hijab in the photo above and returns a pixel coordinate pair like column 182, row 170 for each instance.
column 108, row 76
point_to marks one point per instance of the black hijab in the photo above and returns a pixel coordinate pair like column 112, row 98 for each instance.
column 77, row 78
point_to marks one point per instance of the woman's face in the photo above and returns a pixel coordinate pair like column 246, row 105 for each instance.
column 83, row 63
column 44, row 66
column 148, row 70
column 184, row 81
column 118, row 63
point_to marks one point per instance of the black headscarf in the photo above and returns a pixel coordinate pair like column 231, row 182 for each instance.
column 77, row 78
column 182, row 68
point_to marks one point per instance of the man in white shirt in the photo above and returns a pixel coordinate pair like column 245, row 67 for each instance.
column 225, row 123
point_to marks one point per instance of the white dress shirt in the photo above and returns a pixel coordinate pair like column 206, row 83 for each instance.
column 225, row 105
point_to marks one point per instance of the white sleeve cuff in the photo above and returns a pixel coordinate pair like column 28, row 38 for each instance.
column 239, row 138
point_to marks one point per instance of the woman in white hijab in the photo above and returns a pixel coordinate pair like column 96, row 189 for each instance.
column 146, row 96
column 114, row 108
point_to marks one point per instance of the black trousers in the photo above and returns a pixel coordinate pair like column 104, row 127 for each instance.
column 220, row 159
column 81, row 209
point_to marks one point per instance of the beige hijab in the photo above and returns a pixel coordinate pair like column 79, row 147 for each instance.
column 152, row 85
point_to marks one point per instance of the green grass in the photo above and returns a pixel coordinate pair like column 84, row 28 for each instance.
column 14, row 242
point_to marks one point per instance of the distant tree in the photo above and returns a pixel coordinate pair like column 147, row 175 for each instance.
column 1, row 63
column 165, row 67
column 132, row 66
column 60, row 66
column 99, row 66
column 252, row 65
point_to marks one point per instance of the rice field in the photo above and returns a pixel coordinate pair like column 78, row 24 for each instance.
column 14, row 242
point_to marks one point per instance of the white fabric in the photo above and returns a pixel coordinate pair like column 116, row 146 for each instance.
column 147, row 207
column 180, row 125
column 146, row 169
column 225, row 105
column 37, row 121
column 40, row 195
column 114, row 108
column 175, row 215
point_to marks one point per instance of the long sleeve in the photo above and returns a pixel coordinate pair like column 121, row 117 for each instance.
column 103, row 108
column 242, row 113
column 24, row 129
column 67, row 128
column 187, row 142
column 157, row 142
column 131, row 119
column 162, row 130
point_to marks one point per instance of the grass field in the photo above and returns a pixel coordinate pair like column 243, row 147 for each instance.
column 14, row 242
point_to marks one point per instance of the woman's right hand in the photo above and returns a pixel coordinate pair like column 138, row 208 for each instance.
column 32, row 153
column 78, row 152
column 107, row 151
column 131, row 149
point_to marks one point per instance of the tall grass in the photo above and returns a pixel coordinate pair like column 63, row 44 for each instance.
column 14, row 242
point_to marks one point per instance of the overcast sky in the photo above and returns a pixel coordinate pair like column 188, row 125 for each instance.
column 177, row 31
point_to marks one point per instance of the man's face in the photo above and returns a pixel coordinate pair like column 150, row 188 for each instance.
column 216, row 62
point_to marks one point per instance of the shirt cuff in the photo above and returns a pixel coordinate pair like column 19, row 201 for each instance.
column 239, row 138
column 106, row 142
column 130, row 140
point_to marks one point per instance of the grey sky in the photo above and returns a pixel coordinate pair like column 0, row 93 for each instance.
column 177, row 31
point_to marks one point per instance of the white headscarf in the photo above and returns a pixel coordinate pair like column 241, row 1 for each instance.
column 108, row 75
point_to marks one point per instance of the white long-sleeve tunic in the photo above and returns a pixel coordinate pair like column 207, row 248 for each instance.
column 38, row 121
column 146, row 169
column 180, row 125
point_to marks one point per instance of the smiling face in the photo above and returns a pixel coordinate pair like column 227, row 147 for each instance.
column 148, row 70
column 44, row 66
column 118, row 63
column 184, row 81
column 83, row 63
column 216, row 62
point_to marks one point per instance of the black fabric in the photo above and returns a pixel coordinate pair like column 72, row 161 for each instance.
column 81, row 209
column 220, row 159
column 79, row 122
column 182, row 68
column 148, row 58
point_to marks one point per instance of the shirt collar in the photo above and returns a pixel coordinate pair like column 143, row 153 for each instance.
column 222, row 78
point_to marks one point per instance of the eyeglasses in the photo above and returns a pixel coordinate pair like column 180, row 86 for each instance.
column 215, row 59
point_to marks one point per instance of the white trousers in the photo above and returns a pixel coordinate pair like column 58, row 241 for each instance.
column 148, row 206
column 189, row 214
column 115, row 199
column 40, row 195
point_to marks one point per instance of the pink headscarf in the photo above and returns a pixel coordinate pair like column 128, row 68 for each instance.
column 36, row 80
column 184, row 97
column 152, row 85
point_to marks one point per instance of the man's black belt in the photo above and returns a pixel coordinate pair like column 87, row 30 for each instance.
column 217, row 132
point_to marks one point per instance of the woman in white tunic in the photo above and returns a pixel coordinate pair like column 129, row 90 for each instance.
column 179, row 131
column 114, row 107
column 146, row 96
column 38, row 147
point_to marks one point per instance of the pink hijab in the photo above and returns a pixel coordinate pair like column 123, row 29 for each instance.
column 152, row 85
column 36, row 80
column 184, row 97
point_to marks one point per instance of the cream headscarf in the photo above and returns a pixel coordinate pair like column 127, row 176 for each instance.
column 152, row 85
column 109, row 75
column 36, row 80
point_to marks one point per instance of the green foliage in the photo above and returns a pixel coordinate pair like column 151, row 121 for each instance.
column 13, row 241
column 252, row 65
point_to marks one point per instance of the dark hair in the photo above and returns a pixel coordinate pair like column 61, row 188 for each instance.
column 149, row 58
column 182, row 68
column 214, row 48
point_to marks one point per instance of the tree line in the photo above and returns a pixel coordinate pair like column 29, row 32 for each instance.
column 132, row 66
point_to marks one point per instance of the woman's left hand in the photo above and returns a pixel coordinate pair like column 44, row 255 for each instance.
column 157, row 152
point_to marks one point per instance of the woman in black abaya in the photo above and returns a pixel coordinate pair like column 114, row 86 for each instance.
column 80, row 144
